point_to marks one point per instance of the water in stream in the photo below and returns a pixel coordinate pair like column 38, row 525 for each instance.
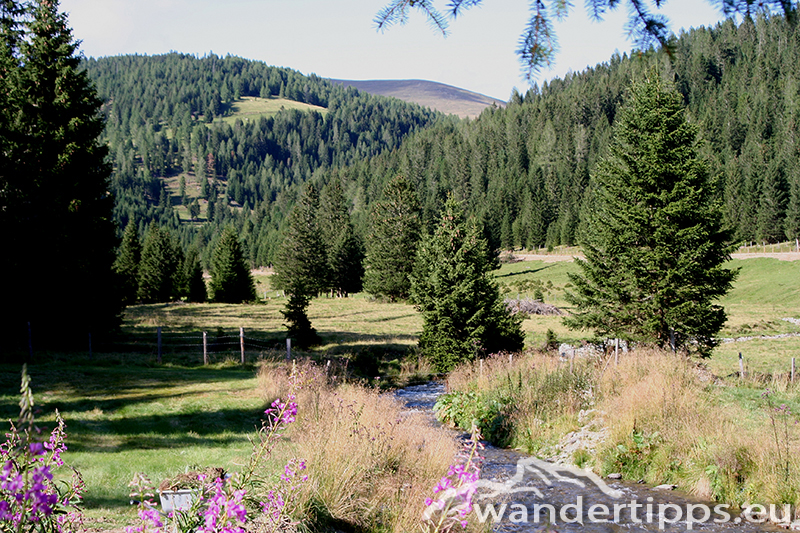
column 527, row 495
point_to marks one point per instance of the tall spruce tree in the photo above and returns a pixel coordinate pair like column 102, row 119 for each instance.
column 231, row 281
column 194, row 286
column 127, row 263
column 654, row 243
column 463, row 314
column 301, row 267
column 55, row 204
column 392, row 244
column 159, row 267
column 344, row 251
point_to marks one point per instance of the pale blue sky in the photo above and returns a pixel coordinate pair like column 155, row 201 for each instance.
column 337, row 38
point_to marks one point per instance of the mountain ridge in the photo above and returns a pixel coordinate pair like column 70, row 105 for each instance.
column 435, row 95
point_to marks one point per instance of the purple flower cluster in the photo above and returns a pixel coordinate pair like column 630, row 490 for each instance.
column 29, row 499
column 455, row 491
column 27, row 492
column 282, row 413
column 57, row 445
column 149, row 521
column 279, row 499
column 223, row 513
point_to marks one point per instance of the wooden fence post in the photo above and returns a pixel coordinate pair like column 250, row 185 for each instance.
column 205, row 348
column 241, row 341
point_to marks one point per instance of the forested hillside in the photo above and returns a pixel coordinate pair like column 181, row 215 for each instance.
column 524, row 168
column 527, row 167
column 176, row 140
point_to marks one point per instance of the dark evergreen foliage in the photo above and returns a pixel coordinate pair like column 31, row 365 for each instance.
column 127, row 263
column 464, row 316
column 250, row 171
column 55, row 208
column 299, row 327
column 231, row 281
column 524, row 169
column 344, row 250
column 301, row 266
column 654, row 244
column 159, row 268
column 194, row 286
column 392, row 244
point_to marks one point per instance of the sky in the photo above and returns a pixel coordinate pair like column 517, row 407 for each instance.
column 338, row 38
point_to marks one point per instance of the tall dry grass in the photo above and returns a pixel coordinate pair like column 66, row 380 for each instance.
column 370, row 464
column 667, row 420
column 527, row 401
column 677, row 427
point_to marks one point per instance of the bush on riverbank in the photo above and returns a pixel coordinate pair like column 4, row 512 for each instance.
column 666, row 420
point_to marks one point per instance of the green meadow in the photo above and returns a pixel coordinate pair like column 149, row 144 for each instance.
column 766, row 291
column 253, row 108
column 127, row 413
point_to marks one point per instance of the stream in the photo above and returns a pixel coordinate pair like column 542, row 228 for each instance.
column 520, row 493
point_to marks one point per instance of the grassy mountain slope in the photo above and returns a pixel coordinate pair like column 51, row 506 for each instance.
column 439, row 96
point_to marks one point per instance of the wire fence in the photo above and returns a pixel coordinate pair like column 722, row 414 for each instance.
column 207, row 347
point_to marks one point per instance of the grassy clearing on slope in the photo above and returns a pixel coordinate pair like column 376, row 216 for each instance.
column 253, row 108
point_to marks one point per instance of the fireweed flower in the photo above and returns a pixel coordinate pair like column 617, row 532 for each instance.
column 279, row 501
column 224, row 513
column 455, row 491
column 29, row 499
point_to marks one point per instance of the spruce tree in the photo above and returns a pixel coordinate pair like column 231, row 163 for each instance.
column 127, row 263
column 231, row 281
column 194, row 288
column 463, row 314
column 392, row 244
column 654, row 243
column 771, row 205
column 343, row 248
column 54, row 182
column 301, row 267
column 158, row 267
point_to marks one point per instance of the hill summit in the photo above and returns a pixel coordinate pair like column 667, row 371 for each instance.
column 437, row 96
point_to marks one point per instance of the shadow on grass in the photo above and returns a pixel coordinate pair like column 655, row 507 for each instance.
column 216, row 428
column 83, row 389
column 522, row 272
column 353, row 341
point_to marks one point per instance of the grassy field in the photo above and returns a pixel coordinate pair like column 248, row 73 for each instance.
column 253, row 108
column 767, row 291
column 123, row 419
column 125, row 413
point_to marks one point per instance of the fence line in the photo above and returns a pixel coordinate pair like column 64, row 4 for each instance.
column 206, row 344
